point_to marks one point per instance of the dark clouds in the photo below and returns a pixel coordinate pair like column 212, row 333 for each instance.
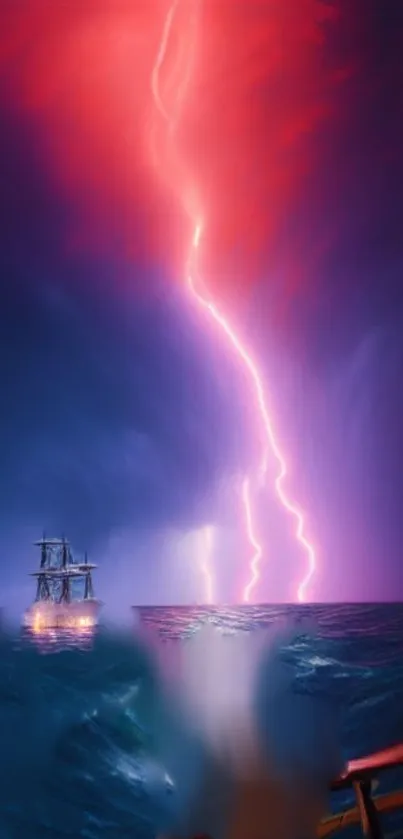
column 108, row 407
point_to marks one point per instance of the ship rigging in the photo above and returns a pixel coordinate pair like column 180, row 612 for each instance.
column 64, row 590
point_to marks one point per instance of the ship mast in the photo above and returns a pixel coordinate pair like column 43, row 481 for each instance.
column 57, row 572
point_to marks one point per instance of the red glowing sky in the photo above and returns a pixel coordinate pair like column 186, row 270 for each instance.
column 262, row 85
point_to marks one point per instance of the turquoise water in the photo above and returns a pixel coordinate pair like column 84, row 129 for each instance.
column 76, row 719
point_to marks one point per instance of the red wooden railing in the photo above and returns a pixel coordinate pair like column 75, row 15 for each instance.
column 367, row 767
column 359, row 775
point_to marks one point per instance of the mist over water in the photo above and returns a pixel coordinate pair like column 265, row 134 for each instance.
column 218, row 672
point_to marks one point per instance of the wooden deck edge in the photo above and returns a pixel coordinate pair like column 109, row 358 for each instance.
column 383, row 803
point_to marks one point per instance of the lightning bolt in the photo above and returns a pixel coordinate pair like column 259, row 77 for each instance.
column 207, row 548
column 254, row 566
column 192, row 209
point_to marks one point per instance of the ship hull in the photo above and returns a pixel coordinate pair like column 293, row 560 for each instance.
column 79, row 614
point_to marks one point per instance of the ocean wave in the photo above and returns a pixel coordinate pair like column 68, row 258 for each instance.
column 84, row 726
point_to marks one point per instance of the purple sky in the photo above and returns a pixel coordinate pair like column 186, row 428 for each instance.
column 125, row 422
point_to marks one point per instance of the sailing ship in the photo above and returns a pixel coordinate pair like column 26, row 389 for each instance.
column 64, row 590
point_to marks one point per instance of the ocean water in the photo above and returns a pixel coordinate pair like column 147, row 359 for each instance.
column 78, row 716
